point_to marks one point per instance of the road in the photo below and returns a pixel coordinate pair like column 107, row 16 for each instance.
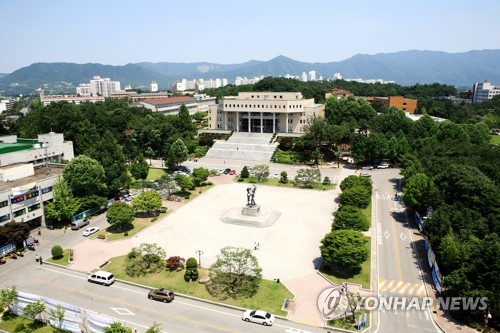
column 130, row 303
column 398, row 266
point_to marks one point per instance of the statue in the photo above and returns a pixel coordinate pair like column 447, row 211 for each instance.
column 251, row 195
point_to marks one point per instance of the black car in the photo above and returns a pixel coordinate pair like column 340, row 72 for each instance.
column 227, row 171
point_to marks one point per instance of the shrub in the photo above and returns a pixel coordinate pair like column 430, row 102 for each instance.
column 191, row 274
column 125, row 233
column 133, row 254
column 244, row 172
column 57, row 251
column 209, row 183
column 253, row 179
column 326, row 181
column 283, row 177
column 240, row 180
column 174, row 263
column 191, row 263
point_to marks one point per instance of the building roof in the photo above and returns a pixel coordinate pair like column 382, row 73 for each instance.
column 40, row 174
column 6, row 148
column 337, row 91
column 170, row 100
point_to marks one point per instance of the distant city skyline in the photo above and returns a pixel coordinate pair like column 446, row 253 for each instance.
column 116, row 32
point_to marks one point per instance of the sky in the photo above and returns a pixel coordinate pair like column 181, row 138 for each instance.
column 117, row 32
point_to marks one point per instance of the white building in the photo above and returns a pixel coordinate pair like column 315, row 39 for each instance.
column 153, row 86
column 303, row 77
column 312, row 75
column 171, row 106
column 84, row 89
column 264, row 112
column 484, row 91
column 71, row 99
column 98, row 87
column 27, row 175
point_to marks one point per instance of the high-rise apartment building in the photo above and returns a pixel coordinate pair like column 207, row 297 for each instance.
column 484, row 91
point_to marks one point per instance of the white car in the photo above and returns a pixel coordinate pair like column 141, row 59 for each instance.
column 258, row 317
column 383, row 166
column 277, row 175
column 368, row 167
column 90, row 231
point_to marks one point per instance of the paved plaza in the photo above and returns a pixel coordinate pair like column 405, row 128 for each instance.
column 287, row 250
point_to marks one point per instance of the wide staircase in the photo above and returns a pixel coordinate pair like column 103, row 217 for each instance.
column 244, row 146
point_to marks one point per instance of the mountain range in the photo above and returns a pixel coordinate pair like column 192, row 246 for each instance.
column 405, row 68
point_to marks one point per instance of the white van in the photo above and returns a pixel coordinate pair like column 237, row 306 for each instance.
column 75, row 225
column 102, row 277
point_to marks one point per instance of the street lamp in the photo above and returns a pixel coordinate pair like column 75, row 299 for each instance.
column 200, row 252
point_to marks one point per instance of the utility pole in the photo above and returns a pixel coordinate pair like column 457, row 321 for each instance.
column 200, row 252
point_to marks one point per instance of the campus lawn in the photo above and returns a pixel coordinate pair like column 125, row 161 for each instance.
column 270, row 296
column 347, row 323
column 339, row 276
column 495, row 139
column 63, row 261
column 114, row 233
column 291, row 183
column 12, row 323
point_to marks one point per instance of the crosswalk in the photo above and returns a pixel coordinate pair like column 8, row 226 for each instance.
column 401, row 287
column 421, row 315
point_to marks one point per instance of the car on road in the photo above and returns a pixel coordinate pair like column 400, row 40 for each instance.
column 368, row 167
column 227, row 171
column 90, row 231
column 163, row 295
column 101, row 277
column 276, row 175
column 232, row 172
column 258, row 317
column 383, row 166
column 365, row 175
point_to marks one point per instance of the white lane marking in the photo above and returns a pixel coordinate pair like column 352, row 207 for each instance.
column 123, row 311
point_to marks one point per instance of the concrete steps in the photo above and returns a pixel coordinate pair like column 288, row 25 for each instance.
column 244, row 146
column 253, row 223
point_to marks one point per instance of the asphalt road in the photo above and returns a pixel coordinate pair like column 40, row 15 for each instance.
column 129, row 303
column 398, row 266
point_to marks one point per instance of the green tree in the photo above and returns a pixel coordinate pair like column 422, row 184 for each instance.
column 308, row 177
column 261, row 171
column 357, row 196
column 184, row 182
column 120, row 214
column 85, row 176
column 8, row 297
column 155, row 328
column 33, row 310
column 349, row 217
column 146, row 259
column 244, row 172
column 352, row 181
column 235, row 273
column 178, row 153
column 420, row 192
column 14, row 232
column 149, row 201
column 191, row 273
column 117, row 328
column 64, row 205
column 345, row 248
column 200, row 175
column 58, row 314
column 150, row 153
column 139, row 168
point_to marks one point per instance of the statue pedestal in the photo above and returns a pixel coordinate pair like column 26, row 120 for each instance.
column 250, row 210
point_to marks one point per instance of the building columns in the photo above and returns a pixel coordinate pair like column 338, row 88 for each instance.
column 286, row 127
column 225, row 121
column 262, row 122
column 237, row 121
column 274, row 121
column 249, row 122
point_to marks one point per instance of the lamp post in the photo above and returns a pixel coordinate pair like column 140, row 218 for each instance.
column 200, row 252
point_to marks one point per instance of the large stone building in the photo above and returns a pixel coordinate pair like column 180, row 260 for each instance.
column 264, row 112
column 171, row 106
column 405, row 104
column 28, row 170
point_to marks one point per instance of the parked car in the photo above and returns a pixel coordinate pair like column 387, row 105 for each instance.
column 227, row 171
column 162, row 294
column 90, row 231
column 101, row 277
column 383, row 166
column 78, row 224
column 365, row 175
column 276, row 175
column 368, row 167
column 259, row 317
column 232, row 172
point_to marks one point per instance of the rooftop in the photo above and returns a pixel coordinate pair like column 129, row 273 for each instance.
column 40, row 174
column 171, row 100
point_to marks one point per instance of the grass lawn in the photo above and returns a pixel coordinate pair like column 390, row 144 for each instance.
column 64, row 260
column 114, row 233
column 270, row 296
column 12, row 323
column 155, row 173
column 191, row 194
column 368, row 212
column 346, row 322
column 495, row 139
column 338, row 276
column 291, row 183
